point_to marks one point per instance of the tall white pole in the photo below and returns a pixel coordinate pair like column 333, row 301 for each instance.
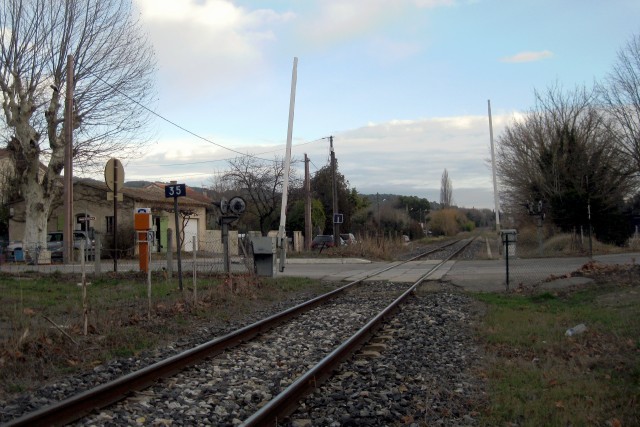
column 282, row 237
column 496, row 195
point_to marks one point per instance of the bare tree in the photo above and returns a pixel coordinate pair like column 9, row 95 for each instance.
column 219, row 185
column 563, row 153
column 621, row 96
column 185, row 215
column 446, row 190
column 114, row 66
column 261, row 182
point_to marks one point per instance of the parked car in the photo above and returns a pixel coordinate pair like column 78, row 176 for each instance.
column 55, row 244
column 324, row 241
column 348, row 238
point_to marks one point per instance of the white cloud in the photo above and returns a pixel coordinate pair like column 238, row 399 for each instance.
column 335, row 21
column 434, row 3
column 528, row 56
column 408, row 157
column 398, row 156
column 204, row 44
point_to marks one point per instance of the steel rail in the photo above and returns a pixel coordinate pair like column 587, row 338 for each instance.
column 285, row 403
column 82, row 404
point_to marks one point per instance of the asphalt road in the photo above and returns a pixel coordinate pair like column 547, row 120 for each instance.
column 477, row 276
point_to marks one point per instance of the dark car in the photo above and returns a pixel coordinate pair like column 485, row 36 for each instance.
column 324, row 241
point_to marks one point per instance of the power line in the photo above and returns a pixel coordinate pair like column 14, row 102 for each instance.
column 171, row 122
column 195, row 163
column 231, row 158
column 162, row 177
column 198, row 136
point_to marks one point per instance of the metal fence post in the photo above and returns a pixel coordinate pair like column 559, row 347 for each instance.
column 169, row 252
column 97, row 252
column 195, row 288
column 506, row 256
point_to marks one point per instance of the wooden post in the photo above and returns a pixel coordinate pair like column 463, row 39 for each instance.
column 148, row 254
column 67, row 250
column 169, row 252
column 85, row 305
column 308, row 232
column 195, row 269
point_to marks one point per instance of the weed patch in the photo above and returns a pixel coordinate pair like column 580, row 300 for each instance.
column 537, row 375
column 42, row 318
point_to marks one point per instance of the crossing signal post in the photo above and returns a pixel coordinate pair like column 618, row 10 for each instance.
column 231, row 211
column 144, row 235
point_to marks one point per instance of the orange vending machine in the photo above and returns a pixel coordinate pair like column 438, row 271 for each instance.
column 142, row 223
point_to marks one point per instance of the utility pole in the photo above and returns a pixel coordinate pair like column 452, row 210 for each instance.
column 496, row 196
column 67, row 231
column 115, row 216
column 308, row 226
column 336, row 225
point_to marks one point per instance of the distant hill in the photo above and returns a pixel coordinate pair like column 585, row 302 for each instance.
column 137, row 184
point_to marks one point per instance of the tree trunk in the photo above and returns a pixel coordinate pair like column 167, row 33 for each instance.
column 115, row 67
column 36, row 214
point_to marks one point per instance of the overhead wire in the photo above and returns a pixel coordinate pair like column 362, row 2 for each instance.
column 199, row 136
column 231, row 158
column 172, row 122
column 314, row 165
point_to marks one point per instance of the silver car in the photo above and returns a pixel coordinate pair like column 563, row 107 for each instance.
column 55, row 244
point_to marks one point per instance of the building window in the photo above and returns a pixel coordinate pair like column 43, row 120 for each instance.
column 109, row 222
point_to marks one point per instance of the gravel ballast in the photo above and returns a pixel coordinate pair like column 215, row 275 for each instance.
column 418, row 371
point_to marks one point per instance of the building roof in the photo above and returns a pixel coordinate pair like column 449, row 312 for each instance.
column 153, row 194
column 191, row 193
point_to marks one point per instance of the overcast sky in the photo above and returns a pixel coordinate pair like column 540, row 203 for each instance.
column 401, row 85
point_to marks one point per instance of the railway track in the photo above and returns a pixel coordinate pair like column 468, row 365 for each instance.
column 257, row 383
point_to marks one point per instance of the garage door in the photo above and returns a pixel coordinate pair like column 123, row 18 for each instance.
column 190, row 231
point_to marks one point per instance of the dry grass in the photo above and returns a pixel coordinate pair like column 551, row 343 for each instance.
column 371, row 248
column 560, row 244
column 42, row 324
